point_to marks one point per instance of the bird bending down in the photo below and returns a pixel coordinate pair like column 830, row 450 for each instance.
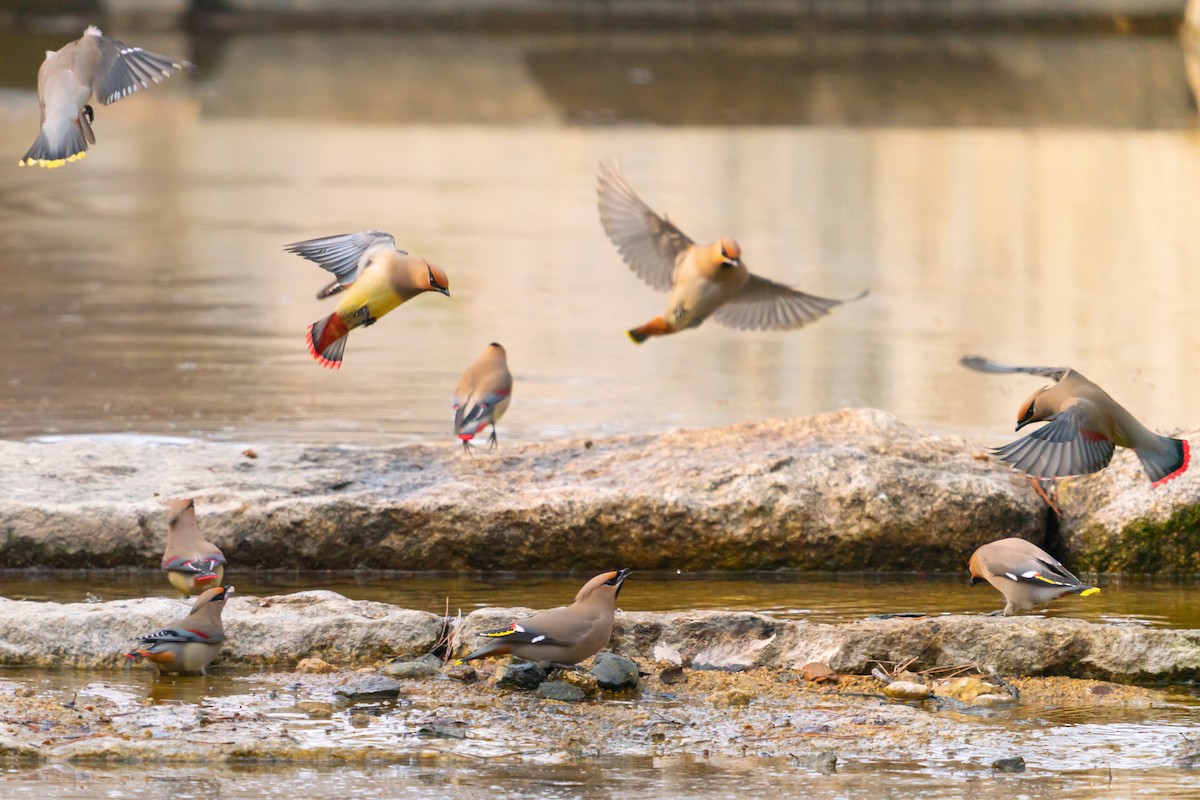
column 192, row 563
column 91, row 65
column 191, row 644
column 562, row 636
column 1025, row 574
column 1085, row 427
column 703, row 280
column 372, row 277
column 482, row 395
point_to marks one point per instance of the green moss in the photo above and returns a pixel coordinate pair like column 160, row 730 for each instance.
column 1172, row 546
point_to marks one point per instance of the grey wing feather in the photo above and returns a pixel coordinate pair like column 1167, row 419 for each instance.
column 650, row 244
column 981, row 364
column 474, row 412
column 766, row 305
column 1060, row 448
column 1040, row 572
column 179, row 635
column 341, row 254
column 124, row 69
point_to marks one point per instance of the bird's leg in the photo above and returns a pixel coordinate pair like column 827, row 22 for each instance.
column 467, row 447
column 493, row 442
column 1050, row 497
column 363, row 315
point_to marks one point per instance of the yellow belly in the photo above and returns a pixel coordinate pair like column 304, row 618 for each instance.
column 372, row 291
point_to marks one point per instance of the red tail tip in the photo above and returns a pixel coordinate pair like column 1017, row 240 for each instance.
column 1187, row 459
column 312, row 351
column 466, row 437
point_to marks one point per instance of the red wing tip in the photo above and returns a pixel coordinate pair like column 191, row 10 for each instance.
column 1187, row 460
column 202, row 578
column 466, row 437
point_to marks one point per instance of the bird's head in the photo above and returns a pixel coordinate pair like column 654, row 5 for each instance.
column 1035, row 409
column 730, row 253
column 178, row 508
column 976, row 569
column 438, row 282
column 605, row 586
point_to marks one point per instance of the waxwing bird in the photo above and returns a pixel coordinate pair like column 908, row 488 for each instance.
column 1085, row 427
column 192, row 643
column 482, row 396
column 91, row 65
column 372, row 276
column 703, row 280
column 564, row 635
column 192, row 564
column 1025, row 574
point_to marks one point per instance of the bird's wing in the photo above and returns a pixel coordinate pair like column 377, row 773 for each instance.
column 199, row 566
column 476, row 411
column 341, row 254
column 1039, row 572
column 982, row 364
column 124, row 69
column 1066, row 445
column 650, row 244
column 179, row 635
column 766, row 305
column 568, row 629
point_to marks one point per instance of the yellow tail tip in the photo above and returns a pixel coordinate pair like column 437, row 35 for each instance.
column 1092, row 590
column 635, row 338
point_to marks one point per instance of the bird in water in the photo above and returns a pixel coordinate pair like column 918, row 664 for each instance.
column 482, row 395
column 1085, row 428
column 193, row 564
column 92, row 65
column 372, row 277
column 703, row 280
column 191, row 644
column 1025, row 574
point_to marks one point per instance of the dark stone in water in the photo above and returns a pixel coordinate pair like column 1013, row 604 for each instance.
column 525, row 677
column 443, row 729
column 557, row 690
column 615, row 673
column 672, row 675
column 462, row 672
column 411, row 670
column 369, row 687
column 1014, row 764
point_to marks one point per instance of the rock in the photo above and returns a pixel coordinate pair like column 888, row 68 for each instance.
column 993, row 700
column 315, row 709
column 672, row 675
column 968, row 688
column 462, row 672
column 730, row 698
column 906, row 690
column 819, row 672
column 558, row 690
column 586, row 681
column 368, row 687
column 314, row 666
column 411, row 670
column 615, row 673
column 443, row 729
column 360, row 720
column 740, row 497
column 824, row 761
column 1014, row 764
column 524, row 676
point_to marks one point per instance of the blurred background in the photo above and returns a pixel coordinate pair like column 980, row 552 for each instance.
column 1018, row 179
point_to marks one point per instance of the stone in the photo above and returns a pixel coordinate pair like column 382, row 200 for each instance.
column 730, row 698
column 906, row 690
column 523, row 676
column 823, row 761
column 368, row 687
column 819, row 672
column 672, row 675
column 462, row 672
column 314, row 708
column 967, row 688
column 411, row 670
column 314, row 666
column 586, row 681
column 615, row 673
column 558, row 690
column 1013, row 764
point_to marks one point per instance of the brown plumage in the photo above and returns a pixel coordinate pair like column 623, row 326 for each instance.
column 703, row 280
column 482, row 395
column 1085, row 427
column 564, row 635
column 191, row 644
column 1025, row 574
column 193, row 564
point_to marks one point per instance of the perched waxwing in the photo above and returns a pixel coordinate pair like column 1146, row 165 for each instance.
column 1025, row 574
column 1086, row 426
column 373, row 278
column 564, row 635
column 192, row 643
column 703, row 280
column 91, row 65
column 482, row 395
column 192, row 564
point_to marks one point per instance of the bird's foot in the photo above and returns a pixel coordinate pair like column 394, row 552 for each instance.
column 493, row 442
column 1050, row 496
column 467, row 447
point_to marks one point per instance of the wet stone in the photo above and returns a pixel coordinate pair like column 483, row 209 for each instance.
column 672, row 675
column 819, row 672
column 368, row 687
column 525, row 677
column 411, row 670
column 1013, row 764
column 824, row 762
column 586, row 681
column 732, row 698
column 615, row 673
column 557, row 690
column 462, row 672
column 314, row 666
column 443, row 729
column 906, row 690
column 315, row 709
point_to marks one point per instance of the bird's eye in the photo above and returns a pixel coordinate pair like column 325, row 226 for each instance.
column 1028, row 412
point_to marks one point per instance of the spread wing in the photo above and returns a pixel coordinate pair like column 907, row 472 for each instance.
column 124, row 69
column 344, row 254
column 1064, row 446
column 180, row 636
column 650, row 244
column 981, row 364
column 764, row 305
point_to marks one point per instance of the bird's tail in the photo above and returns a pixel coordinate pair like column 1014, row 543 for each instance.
column 655, row 327
column 1169, row 459
column 327, row 340
column 69, row 145
column 494, row 647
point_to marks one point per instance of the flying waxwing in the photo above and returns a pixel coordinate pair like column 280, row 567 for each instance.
column 192, row 564
column 91, row 65
column 703, row 280
column 1086, row 426
column 564, row 635
column 1025, row 574
column 482, row 395
column 372, row 276
column 192, row 643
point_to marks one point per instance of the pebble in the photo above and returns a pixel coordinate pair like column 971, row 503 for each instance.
column 558, row 690
column 314, row 666
column 730, row 698
column 1014, row 764
column 906, row 690
column 615, row 673
column 672, row 675
column 586, row 681
column 411, row 670
column 523, row 676
column 369, row 687
column 462, row 672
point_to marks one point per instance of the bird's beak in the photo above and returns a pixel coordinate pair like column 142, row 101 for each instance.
column 191, row 504
column 620, row 580
column 445, row 291
column 1023, row 423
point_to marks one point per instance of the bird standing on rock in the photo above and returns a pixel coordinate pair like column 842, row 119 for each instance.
column 191, row 644
column 93, row 64
column 1086, row 426
column 703, row 280
column 1025, row 574
column 192, row 563
column 482, row 395
column 565, row 635
column 373, row 278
